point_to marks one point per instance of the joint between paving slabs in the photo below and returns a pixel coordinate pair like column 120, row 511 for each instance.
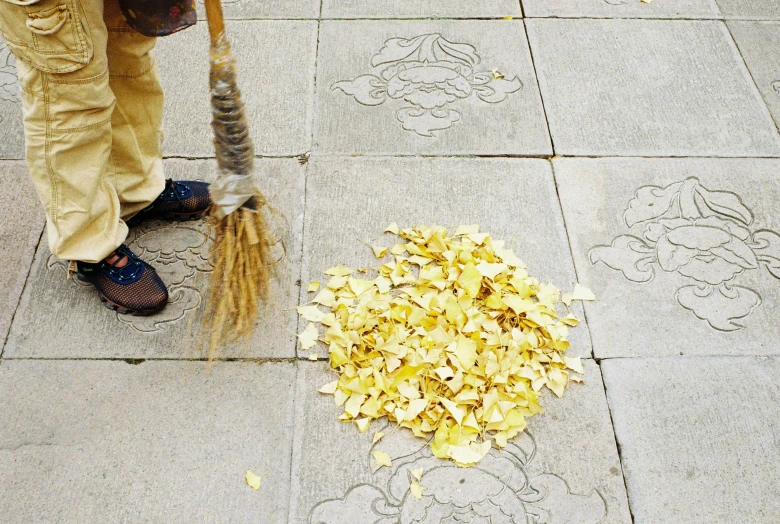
column 750, row 74
column 21, row 293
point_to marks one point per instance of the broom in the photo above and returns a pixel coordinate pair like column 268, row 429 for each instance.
column 241, row 252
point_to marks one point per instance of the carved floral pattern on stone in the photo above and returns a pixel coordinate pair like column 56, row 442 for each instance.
column 430, row 73
column 498, row 490
column 9, row 87
column 704, row 236
column 776, row 86
column 179, row 253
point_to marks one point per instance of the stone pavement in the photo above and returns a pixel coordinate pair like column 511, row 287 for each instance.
column 631, row 147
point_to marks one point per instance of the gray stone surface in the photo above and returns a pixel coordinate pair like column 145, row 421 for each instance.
column 419, row 9
column 351, row 201
column 242, row 9
column 698, row 437
column 276, row 77
column 683, row 254
column 565, row 468
column 756, row 42
column 58, row 318
column 621, row 9
column 750, row 9
column 21, row 223
column 427, row 87
column 623, row 87
column 87, row 441
column 12, row 143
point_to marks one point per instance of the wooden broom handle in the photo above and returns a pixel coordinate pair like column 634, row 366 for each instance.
column 215, row 19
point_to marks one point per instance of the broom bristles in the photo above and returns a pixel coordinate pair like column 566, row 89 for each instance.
column 243, row 267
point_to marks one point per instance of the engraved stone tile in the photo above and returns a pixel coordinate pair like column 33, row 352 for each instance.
column 419, row 9
column 621, row 9
column 243, row 9
column 21, row 223
column 757, row 42
column 59, row 318
column 564, row 468
column 648, row 88
column 351, row 201
column 12, row 144
column 98, row 441
column 683, row 254
column 698, row 437
column 427, row 87
column 750, row 9
column 276, row 77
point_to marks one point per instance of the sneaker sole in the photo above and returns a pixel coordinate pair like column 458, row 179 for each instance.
column 125, row 311
column 178, row 217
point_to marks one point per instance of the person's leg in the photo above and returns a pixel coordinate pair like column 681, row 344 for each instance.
column 68, row 106
column 136, row 122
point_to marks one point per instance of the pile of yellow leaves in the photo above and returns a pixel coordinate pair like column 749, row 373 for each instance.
column 452, row 337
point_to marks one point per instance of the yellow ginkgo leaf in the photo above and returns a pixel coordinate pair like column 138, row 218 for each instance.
column 313, row 356
column 313, row 287
column 379, row 251
column 582, row 293
column 311, row 313
column 253, row 481
column 329, row 388
column 415, row 489
column 417, row 473
column 309, row 336
column 339, row 271
column 377, row 437
column 382, row 458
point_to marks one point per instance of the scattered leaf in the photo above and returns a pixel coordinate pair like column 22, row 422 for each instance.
column 379, row 251
column 378, row 436
column 382, row 458
column 253, row 481
column 314, row 356
column 582, row 293
column 497, row 75
column 309, row 336
column 329, row 388
column 415, row 489
column 313, row 287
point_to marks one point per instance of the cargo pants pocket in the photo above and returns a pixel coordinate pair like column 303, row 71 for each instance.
column 50, row 35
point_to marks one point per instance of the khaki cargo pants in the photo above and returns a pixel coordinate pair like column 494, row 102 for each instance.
column 92, row 107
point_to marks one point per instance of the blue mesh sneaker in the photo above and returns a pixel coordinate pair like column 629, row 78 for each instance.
column 180, row 200
column 126, row 284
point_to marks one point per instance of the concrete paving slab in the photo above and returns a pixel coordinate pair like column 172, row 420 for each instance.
column 648, row 88
column 58, row 318
column 12, row 145
column 698, row 437
column 696, row 9
column 427, row 87
column 683, row 254
column 268, row 9
column 565, row 468
column 21, row 224
column 92, row 441
column 750, row 9
column 276, row 77
column 755, row 41
column 351, row 201
column 419, row 9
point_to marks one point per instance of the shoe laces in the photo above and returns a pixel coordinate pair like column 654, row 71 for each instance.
column 133, row 263
column 175, row 189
